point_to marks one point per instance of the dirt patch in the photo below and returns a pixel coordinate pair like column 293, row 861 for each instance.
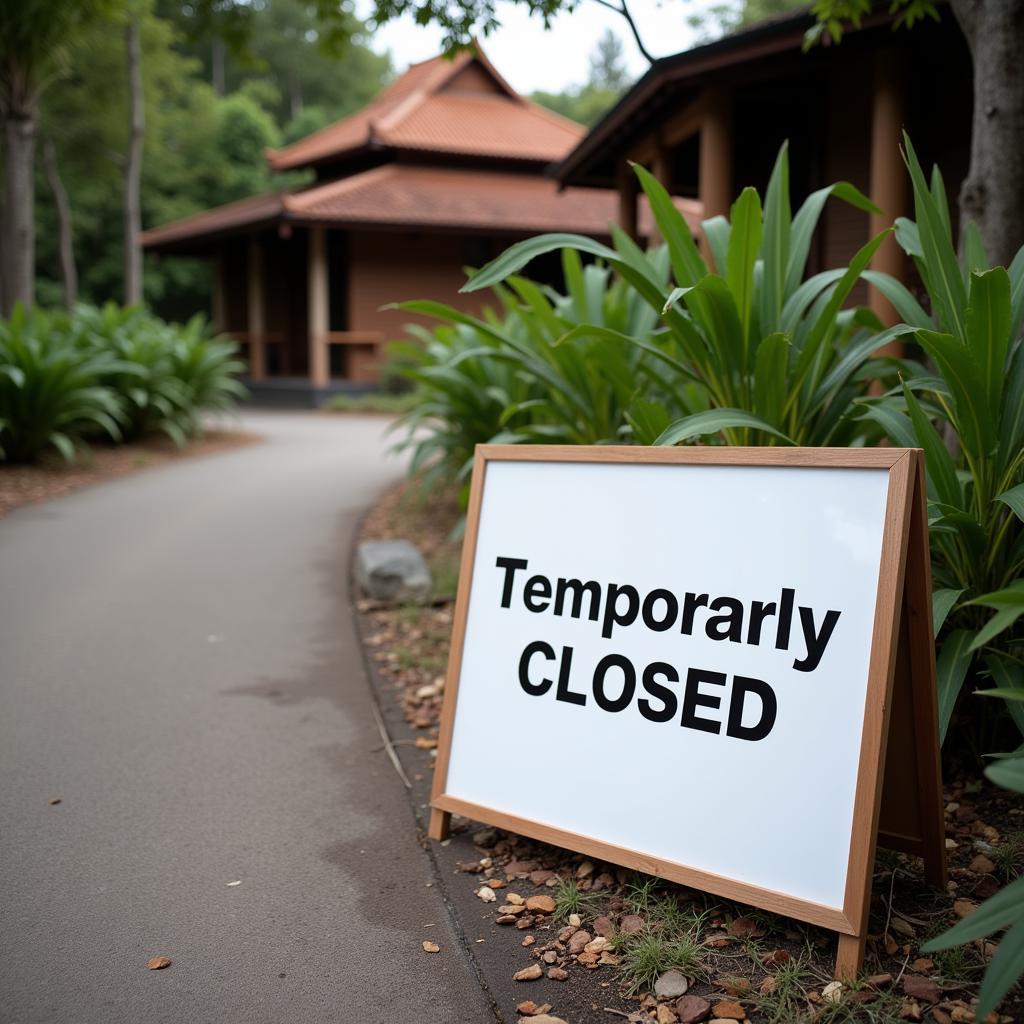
column 52, row 476
column 595, row 949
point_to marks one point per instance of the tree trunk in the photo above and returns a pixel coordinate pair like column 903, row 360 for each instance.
column 993, row 193
column 217, row 64
column 68, row 272
column 17, row 236
column 133, row 171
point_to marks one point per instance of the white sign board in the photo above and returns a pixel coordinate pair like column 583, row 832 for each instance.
column 672, row 659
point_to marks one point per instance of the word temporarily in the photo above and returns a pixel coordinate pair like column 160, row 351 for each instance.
column 621, row 605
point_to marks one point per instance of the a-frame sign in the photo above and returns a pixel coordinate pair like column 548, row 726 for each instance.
column 813, row 725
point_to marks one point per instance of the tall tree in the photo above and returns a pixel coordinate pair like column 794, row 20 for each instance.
column 35, row 36
column 133, row 165
column 65, row 231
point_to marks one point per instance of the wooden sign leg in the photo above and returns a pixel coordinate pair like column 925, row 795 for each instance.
column 440, row 824
column 849, row 956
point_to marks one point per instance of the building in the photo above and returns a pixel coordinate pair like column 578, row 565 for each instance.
column 442, row 171
column 710, row 121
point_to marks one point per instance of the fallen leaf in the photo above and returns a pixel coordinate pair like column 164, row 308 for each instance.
column 158, row 963
column 923, row 989
column 431, row 947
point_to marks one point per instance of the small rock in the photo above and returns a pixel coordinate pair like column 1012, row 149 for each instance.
column 575, row 920
column 531, row 1009
column 505, row 919
column 777, row 958
column 671, row 985
column 923, row 965
column 879, row 980
column 515, row 899
column 529, row 940
column 746, row 928
column 578, row 942
column 585, row 870
column 541, row 877
column 608, row 958
column 392, row 571
column 526, row 921
column 531, row 973
column 692, row 1009
column 431, row 947
column 544, row 1018
column 557, row 974
column 982, row 865
column 486, row 893
column 631, row 924
column 550, row 957
column 588, row 959
column 964, row 907
column 940, row 1016
column 603, row 926
column 158, row 963
column 511, row 908
column 666, row 1015
column 541, row 905
column 519, row 868
column 599, row 945
column 730, row 1011
column 832, row 992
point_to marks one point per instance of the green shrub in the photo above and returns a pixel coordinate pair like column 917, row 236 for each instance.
column 773, row 358
column 525, row 376
column 966, row 410
column 106, row 372
column 51, row 388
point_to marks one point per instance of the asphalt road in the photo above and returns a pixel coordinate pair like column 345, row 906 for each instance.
column 178, row 667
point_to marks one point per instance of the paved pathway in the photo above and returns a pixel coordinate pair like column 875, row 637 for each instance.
column 179, row 667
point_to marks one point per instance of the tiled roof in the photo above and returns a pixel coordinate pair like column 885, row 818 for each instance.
column 435, row 107
column 399, row 195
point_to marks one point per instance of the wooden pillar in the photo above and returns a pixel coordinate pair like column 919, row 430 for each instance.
column 629, row 190
column 888, row 188
column 715, row 172
column 218, row 296
column 256, row 327
column 318, row 312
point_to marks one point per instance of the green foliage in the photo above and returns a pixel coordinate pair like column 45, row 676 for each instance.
column 1005, row 910
column 966, row 410
column 571, row 899
column 51, row 388
column 528, row 375
column 649, row 953
column 775, row 358
column 111, row 372
column 607, row 81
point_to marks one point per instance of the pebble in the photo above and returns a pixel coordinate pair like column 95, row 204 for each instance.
column 691, row 1009
column 531, row 973
column 541, row 1018
column 729, row 1011
column 578, row 942
column 666, row 1015
column 575, row 920
column 541, row 904
column 832, row 992
column 631, row 924
column 603, row 926
column 557, row 974
column 487, row 894
column 670, row 985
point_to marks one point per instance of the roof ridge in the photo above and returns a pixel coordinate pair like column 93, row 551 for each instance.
column 405, row 106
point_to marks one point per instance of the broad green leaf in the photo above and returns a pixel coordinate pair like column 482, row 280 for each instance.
column 994, row 914
column 1009, row 605
column 988, row 332
column 954, row 659
column 943, row 602
column 1011, row 429
column 908, row 237
column 975, row 257
column 713, row 306
column 744, row 246
column 1008, row 772
column 649, row 420
column 1014, row 498
column 908, row 308
column 716, row 232
column 513, row 259
column 770, row 364
column 1005, row 969
column 1016, row 272
column 946, row 284
column 895, row 423
column 941, row 471
column 688, row 266
column 775, row 243
column 1009, row 678
column 806, row 220
column 714, row 421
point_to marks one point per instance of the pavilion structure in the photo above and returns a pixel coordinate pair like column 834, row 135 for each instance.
column 441, row 172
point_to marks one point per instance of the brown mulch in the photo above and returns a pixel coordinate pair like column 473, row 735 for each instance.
column 985, row 841
column 52, row 476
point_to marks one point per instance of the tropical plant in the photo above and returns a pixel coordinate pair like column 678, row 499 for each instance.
column 51, row 390
column 110, row 372
column 777, row 357
column 966, row 410
column 525, row 376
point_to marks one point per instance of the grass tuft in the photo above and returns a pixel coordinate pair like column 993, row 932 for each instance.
column 648, row 954
column 571, row 899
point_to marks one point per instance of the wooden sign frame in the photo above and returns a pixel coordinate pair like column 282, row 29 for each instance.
column 898, row 799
